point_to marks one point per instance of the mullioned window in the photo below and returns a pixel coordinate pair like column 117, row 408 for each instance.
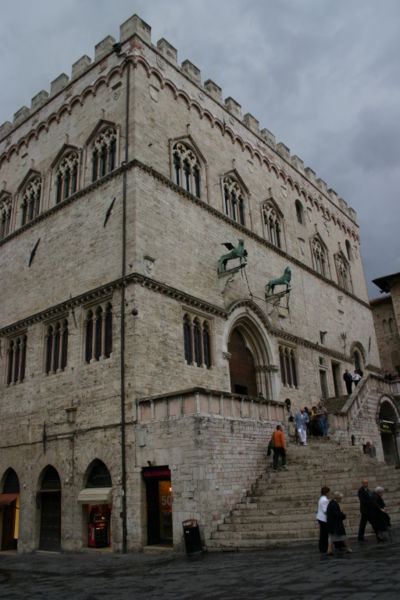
column 98, row 332
column 197, row 341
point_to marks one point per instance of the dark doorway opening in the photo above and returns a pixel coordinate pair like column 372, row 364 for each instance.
column 159, row 505
column 241, row 366
column 336, row 379
column 50, row 511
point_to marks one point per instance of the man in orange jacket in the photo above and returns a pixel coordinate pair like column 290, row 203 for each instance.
column 279, row 447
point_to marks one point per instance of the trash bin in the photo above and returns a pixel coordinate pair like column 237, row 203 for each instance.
column 191, row 534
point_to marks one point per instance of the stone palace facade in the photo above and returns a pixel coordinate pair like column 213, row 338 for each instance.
column 140, row 380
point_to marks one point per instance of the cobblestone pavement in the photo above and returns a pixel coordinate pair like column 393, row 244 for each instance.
column 371, row 572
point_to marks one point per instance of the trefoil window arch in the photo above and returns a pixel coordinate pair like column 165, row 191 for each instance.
column 67, row 176
column 233, row 200
column 343, row 272
column 319, row 257
column 16, row 359
column 104, row 153
column 272, row 224
column 56, row 346
column 98, row 332
column 31, row 200
column 186, row 168
column 197, row 341
column 5, row 216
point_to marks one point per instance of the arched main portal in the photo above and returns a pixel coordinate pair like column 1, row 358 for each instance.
column 390, row 430
column 9, row 511
column 250, row 356
column 50, row 510
column 241, row 366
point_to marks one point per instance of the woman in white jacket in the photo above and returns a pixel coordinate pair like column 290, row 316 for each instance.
column 322, row 519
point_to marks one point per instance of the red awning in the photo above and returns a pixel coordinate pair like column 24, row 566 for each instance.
column 156, row 472
column 6, row 499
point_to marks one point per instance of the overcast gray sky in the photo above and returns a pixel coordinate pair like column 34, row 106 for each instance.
column 322, row 75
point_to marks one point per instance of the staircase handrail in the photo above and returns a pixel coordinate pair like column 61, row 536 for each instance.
column 355, row 403
column 357, row 399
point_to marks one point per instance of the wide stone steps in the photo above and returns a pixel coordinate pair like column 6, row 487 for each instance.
column 280, row 508
column 290, row 515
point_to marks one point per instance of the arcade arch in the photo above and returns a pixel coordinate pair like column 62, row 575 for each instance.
column 49, row 502
column 9, row 511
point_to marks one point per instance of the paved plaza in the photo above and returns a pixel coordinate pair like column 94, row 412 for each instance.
column 370, row 572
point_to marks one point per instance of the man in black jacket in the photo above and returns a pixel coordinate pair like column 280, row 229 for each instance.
column 348, row 379
column 365, row 496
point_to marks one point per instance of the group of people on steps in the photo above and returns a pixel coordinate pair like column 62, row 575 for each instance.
column 330, row 515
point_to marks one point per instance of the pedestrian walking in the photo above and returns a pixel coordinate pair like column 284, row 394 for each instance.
column 380, row 516
column 336, row 529
column 301, row 419
column 356, row 377
column 348, row 379
column 279, row 447
column 323, row 519
column 322, row 415
column 365, row 498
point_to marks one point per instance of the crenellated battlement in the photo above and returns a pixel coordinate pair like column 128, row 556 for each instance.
column 136, row 26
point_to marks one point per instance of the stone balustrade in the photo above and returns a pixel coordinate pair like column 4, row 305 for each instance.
column 204, row 402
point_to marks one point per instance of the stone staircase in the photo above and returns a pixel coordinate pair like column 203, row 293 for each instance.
column 281, row 507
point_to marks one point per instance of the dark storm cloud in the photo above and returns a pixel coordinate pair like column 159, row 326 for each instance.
column 322, row 75
column 376, row 145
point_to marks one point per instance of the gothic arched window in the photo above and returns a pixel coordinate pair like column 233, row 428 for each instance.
column 319, row 257
column 67, row 176
column 343, row 272
column 272, row 224
column 104, row 153
column 186, row 168
column 233, row 200
column 31, row 200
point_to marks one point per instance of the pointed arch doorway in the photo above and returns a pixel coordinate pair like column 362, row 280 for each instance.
column 250, row 369
column 242, row 369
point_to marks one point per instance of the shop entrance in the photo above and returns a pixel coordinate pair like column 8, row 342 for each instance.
column 159, row 505
column 9, row 511
column 49, row 498
column 97, row 506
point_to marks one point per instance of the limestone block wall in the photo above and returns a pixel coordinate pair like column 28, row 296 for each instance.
column 233, row 147
column 186, row 242
column 213, row 462
column 76, row 253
